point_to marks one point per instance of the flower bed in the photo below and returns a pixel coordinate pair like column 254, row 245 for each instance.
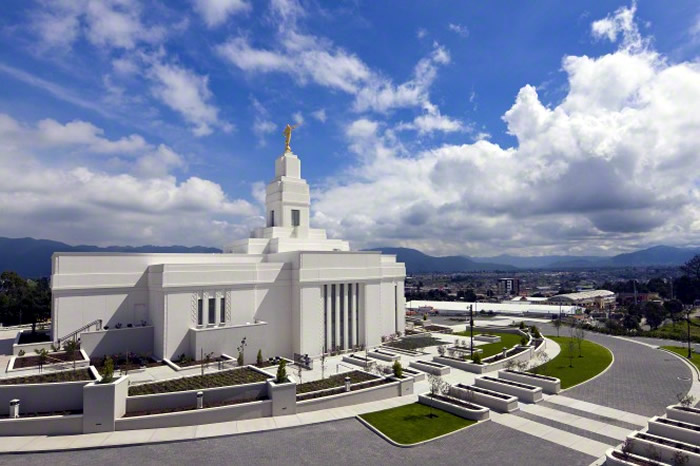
column 239, row 376
column 413, row 343
column 217, row 404
column 334, row 381
column 52, row 358
column 62, row 376
column 124, row 362
column 341, row 389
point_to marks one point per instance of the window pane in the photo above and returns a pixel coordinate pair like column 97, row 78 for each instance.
column 222, row 319
column 212, row 310
column 200, row 312
column 296, row 220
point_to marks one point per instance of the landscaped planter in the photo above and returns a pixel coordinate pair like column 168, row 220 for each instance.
column 283, row 396
column 383, row 355
column 685, row 414
column 549, row 385
column 356, row 360
column 390, row 389
column 482, row 396
column 641, row 443
column 674, row 429
column 524, row 392
column 400, row 350
column 487, row 338
column 82, row 361
column 463, row 350
column 417, row 375
column 615, row 457
column 457, row 407
column 462, row 364
column 430, row 367
column 29, row 348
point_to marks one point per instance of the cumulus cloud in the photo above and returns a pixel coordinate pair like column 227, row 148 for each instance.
column 187, row 93
column 262, row 125
column 459, row 29
column 309, row 58
column 320, row 115
column 216, row 12
column 89, row 204
column 614, row 164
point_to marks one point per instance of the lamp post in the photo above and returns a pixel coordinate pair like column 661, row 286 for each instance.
column 471, row 331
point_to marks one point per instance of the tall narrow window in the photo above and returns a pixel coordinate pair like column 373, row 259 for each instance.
column 351, row 316
column 325, row 319
column 222, row 311
column 396, row 308
column 212, row 311
column 334, row 343
column 342, row 316
column 200, row 312
column 272, row 218
column 296, row 218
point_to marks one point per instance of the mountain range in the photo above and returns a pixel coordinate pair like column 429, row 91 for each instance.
column 32, row 257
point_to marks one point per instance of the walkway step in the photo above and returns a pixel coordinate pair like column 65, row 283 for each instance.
column 612, row 413
column 598, row 427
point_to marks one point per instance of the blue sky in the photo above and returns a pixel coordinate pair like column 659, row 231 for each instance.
column 452, row 127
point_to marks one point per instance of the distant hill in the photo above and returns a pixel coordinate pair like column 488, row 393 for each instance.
column 417, row 262
column 31, row 257
column 657, row 255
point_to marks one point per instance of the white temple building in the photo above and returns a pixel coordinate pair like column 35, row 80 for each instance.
column 286, row 289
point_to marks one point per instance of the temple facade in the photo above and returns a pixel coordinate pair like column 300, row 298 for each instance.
column 286, row 289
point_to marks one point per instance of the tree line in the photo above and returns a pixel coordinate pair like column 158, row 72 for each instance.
column 24, row 301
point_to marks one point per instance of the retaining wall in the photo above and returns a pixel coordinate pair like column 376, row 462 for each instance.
column 99, row 343
column 389, row 390
column 43, row 397
column 45, row 425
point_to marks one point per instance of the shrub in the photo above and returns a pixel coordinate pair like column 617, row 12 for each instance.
column 477, row 358
column 441, row 350
column 398, row 370
column 523, row 340
column 108, row 371
column 522, row 325
column 259, row 359
column 21, row 353
column 282, row 372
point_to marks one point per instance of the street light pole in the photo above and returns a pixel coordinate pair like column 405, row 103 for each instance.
column 471, row 331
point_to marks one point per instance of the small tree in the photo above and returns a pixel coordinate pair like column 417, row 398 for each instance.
column 398, row 370
column 523, row 341
column 108, row 371
column 477, row 358
column 680, row 458
column 441, row 350
column 557, row 325
column 259, row 358
column 43, row 355
column 300, row 372
column 572, row 348
column 282, row 372
column 580, row 336
column 522, row 325
column 206, row 360
column 241, row 349
column 686, row 400
column 437, row 387
column 71, row 347
column 543, row 367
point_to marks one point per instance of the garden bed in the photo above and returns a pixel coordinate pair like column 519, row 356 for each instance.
column 239, row 376
column 334, row 381
column 44, row 414
column 189, row 362
column 22, row 362
column 53, row 377
column 414, row 343
column 340, row 390
column 122, row 362
column 438, row 329
column 217, row 404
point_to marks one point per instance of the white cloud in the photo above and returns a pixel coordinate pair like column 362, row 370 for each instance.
column 216, row 12
column 620, row 23
column 91, row 205
column 459, row 29
column 262, row 126
column 105, row 23
column 320, row 115
column 421, row 33
column 187, row 93
column 612, row 166
column 298, row 118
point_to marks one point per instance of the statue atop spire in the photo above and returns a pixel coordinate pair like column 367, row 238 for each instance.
column 288, row 136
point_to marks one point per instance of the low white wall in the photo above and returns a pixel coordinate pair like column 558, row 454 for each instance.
column 28, row 348
column 685, row 433
column 250, row 410
column 221, row 340
column 103, row 404
column 49, row 425
column 41, row 398
column 366, row 395
column 480, row 414
column 549, row 385
column 642, row 446
column 530, row 394
column 107, row 342
column 497, row 403
column 429, row 368
column 188, row 398
column 680, row 414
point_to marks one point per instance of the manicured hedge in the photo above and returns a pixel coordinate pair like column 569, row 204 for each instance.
column 238, row 376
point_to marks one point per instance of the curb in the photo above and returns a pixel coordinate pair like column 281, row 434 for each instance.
column 693, row 368
column 598, row 374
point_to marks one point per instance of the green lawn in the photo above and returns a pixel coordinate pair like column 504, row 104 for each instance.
column 411, row 424
column 596, row 359
column 507, row 339
column 677, row 331
column 683, row 351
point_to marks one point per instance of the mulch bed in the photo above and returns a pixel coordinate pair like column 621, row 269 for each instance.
column 122, row 363
column 334, row 381
column 239, row 376
column 52, row 358
column 44, row 414
column 62, row 376
column 413, row 343
column 338, row 390
column 192, row 362
column 192, row 408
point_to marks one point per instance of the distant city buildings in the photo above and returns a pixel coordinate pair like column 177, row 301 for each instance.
column 594, row 299
column 508, row 286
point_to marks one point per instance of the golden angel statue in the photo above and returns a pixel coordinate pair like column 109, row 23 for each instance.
column 288, row 136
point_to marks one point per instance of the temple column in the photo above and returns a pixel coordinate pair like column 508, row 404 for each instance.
column 337, row 315
column 356, row 305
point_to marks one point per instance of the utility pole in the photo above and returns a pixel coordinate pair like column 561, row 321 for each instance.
column 471, row 332
column 690, row 351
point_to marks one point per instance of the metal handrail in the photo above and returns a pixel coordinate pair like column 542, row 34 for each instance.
column 96, row 322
